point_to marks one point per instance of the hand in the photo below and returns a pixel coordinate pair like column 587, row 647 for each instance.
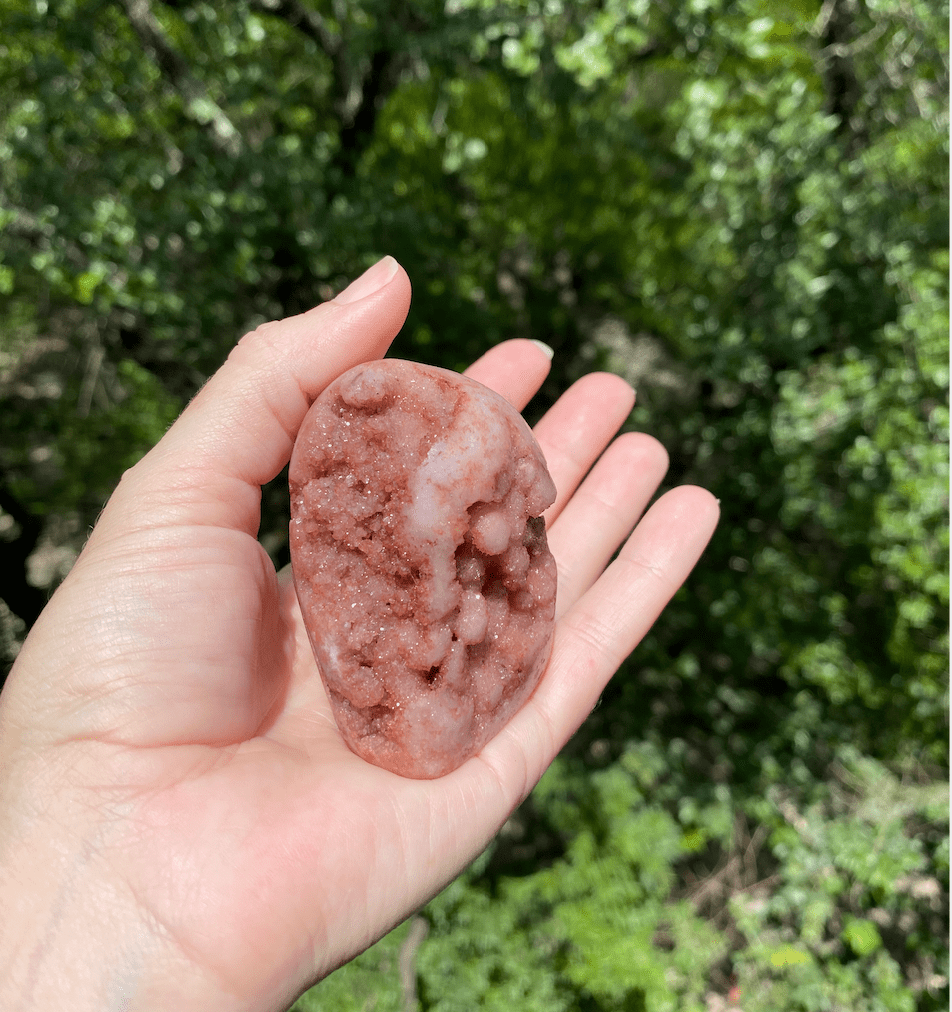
column 181, row 825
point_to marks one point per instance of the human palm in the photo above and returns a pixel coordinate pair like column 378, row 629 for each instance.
column 181, row 824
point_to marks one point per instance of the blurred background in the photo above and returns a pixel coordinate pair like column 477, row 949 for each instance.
column 742, row 208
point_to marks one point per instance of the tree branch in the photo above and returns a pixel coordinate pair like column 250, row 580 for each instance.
column 355, row 93
column 28, row 226
column 198, row 103
column 308, row 22
column 834, row 27
column 355, row 134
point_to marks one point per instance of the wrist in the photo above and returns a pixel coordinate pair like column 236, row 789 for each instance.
column 73, row 935
column 67, row 931
column 73, row 932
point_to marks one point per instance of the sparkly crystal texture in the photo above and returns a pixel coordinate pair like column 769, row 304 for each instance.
column 420, row 561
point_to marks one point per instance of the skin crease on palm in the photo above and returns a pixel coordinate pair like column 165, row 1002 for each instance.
column 181, row 825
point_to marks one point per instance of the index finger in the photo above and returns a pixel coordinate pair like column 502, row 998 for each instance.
column 514, row 369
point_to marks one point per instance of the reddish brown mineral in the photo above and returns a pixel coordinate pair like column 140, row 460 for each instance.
column 420, row 561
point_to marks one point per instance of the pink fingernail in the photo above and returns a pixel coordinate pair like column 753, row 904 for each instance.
column 544, row 348
column 372, row 280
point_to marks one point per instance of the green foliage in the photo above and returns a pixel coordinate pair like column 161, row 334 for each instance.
column 855, row 894
column 539, row 942
column 370, row 983
column 739, row 205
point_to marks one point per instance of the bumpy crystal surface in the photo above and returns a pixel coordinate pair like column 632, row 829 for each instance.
column 420, row 561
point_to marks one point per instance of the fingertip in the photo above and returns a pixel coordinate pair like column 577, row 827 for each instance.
column 515, row 369
column 237, row 432
column 597, row 394
column 545, row 349
column 703, row 499
column 709, row 504
column 372, row 280
column 643, row 450
column 609, row 384
column 694, row 508
column 382, row 294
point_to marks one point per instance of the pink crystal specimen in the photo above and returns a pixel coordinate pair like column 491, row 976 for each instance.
column 420, row 561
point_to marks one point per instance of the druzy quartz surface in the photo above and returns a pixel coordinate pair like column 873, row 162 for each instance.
column 420, row 561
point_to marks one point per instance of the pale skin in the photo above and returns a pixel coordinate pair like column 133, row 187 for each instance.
column 181, row 824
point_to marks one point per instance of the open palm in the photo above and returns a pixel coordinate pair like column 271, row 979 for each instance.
column 182, row 825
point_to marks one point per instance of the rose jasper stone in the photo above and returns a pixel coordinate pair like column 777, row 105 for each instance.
column 420, row 561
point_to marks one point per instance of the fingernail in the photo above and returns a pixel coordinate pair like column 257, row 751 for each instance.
column 372, row 280
column 545, row 349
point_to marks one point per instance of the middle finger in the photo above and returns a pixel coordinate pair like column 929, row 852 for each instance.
column 577, row 428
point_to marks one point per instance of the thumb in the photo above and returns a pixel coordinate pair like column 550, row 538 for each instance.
column 168, row 627
column 238, row 431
